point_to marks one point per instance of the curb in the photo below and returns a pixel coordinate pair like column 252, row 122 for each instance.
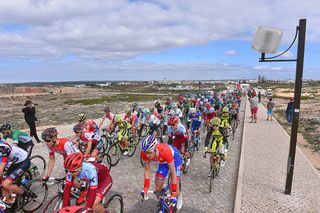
column 237, row 200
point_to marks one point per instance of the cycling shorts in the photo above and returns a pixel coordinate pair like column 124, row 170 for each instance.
column 104, row 186
column 16, row 170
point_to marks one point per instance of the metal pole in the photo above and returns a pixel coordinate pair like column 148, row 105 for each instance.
column 296, row 108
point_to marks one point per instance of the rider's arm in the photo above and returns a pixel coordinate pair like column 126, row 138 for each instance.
column 51, row 164
column 87, row 153
column 101, row 122
column 173, row 174
column 2, row 165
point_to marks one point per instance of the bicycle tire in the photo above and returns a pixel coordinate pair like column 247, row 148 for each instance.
column 105, row 160
column 115, row 154
column 192, row 149
column 25, row 202
column 211, row 180
column 108, row 204
column 132, row 147
column 37, row 169
column 54, row 204
column 233, row 126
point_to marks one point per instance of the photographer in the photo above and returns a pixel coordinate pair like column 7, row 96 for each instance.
column 29, row 115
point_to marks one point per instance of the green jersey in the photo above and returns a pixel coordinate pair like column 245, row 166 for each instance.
column 19, row 137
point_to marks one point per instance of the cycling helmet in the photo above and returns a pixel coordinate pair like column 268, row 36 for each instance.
column 201, row 103
column 49, row 134
column 174, row 106
column 78, row 128
column 139, row 108
column 173, row 120
column 215, row 121
column 128, row 111
column 171, row 113
column 147, row 111
column 82, row 117
column 151, row 109
column 225, row 109
column 157, row 104
column 73, row 161
column 117, row 119
column 208, row 105
column 193, row 110
column 5, row 127
column 149, row 143
column 107, row 109
column 73, row 209
column 205, row 100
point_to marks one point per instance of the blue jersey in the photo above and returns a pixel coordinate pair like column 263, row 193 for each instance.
column 180, row 130
column 195, row 120
column 88, row 173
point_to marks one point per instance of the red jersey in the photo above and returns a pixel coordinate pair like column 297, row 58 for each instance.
column 65, row 147
column 164, row 154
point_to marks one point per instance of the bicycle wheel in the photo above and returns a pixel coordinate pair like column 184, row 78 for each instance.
column 192, row 148
column 115, row 154
column 105, row 159
column 38, row 166
column 212, row 173
column 54, row 204
column 233, row 126
column 114, row 204
column 37, row 197
column 132, row 147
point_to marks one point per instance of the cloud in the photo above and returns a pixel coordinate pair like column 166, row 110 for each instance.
column 231, row 52
column 120, row 30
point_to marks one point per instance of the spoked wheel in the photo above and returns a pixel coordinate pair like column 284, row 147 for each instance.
column 115, row 154
column 36, row 198
column 132, row 147
column 212, row 173
column 114, row 204
column 105, row 159
column 37, row 167
column 54, row 204
column 192, row 148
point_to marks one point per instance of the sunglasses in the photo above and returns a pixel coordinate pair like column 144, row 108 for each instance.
column 48, row 141
column 73, row 171
column 215, row 125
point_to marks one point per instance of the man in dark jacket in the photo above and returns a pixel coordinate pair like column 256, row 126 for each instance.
column 29, row 115
column 289, row 111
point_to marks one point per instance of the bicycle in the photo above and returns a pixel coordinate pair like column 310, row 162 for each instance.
column 215, row 168
column 165, row 204
column 113, row 204
column 234, row 126
column 115, row 151
column 37, row 193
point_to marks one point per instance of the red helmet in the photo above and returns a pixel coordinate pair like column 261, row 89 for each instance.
column 173, row 120
column 73, row 209
column 208, row 105
column 254, row 93
column 73, row 161
column 291, row 98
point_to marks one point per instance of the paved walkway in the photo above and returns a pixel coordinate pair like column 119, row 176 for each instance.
column 262, row 172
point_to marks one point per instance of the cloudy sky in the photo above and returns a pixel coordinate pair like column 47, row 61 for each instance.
column 58, row 40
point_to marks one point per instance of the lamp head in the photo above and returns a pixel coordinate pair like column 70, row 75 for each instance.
column 267, row 39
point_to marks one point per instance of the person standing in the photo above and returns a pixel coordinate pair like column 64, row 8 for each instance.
column 254, row 106
column 29, row 115
column 259, row 96
column 289, row 111
column 270, row 106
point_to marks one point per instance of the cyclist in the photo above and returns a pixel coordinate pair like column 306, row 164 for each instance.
column 23, row 140
column 123, row 134
column 96, row 175
column 224, row 116
column 169, row 160
column 154, row 124
column 131, row 118
column 88, row 146
column 17, row 162
column 56, row 145
column 196, row 122
column 208, row 113
column 234, row 112
column 158, row 106
column 141, row 115
column 217, row 141
column 108, row 115
column 225, row 126
column 89, row 125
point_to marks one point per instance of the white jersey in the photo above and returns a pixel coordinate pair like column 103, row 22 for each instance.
column 153, row 120
column 12, row 154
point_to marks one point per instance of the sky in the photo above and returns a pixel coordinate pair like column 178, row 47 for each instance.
column 58, row 40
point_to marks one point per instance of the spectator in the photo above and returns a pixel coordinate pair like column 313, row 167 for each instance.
column 289, row 111
column 270, row 106
column 259, row 96
column 29, row 115
column 254, row 107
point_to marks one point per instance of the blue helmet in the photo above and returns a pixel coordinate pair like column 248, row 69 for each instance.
column 149, row 143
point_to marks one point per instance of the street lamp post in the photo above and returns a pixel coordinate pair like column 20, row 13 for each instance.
column 300, row 32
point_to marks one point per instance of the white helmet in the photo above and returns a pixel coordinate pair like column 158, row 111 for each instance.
column 171, row 113
column 193, row 110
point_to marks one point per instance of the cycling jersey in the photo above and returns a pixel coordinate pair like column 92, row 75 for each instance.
column 19, row 137
column 12, row 154
column 179, row 113
column 85, row 138
column 108, row 116
column 195, row 121
column 98, row 177
column 208, row 114
column 180, row 135
column 234, row 113
column 65, row 147
column 224, row 119
column 91, row 126
column 217, row 141
column 124, row 130
column 132, row 119
column 153, row 120
column 166, row 155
